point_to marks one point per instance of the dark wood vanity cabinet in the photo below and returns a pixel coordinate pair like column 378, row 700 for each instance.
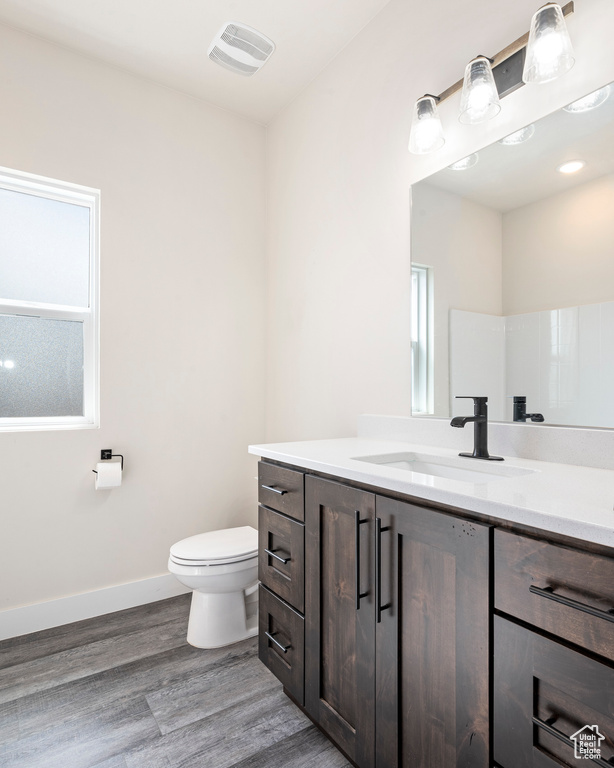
column 281, row 642
column 417, row 638
column 397, row 629
column 432, row 638
column 545, row 692
column 281, row 559
column 340, row 615
column 554, row 678
column 566, row 592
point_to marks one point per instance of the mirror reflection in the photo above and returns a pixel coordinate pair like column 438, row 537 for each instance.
column 513, row 274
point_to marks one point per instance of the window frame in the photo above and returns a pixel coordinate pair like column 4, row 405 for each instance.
column 65, row 192
column 422, row 395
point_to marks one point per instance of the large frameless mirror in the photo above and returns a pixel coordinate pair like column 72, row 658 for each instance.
column 513, row 274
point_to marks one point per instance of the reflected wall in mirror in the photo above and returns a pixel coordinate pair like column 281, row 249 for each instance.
column 513, row 274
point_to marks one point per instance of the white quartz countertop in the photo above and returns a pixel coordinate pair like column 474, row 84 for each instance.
column 559, row 498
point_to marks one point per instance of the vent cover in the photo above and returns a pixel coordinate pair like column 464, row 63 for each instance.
column 240, row 49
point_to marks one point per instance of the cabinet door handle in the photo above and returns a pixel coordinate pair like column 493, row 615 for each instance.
column 549, row 594
column 357, row 523
column 283, row 560
column 280, row 491
column 271, row 637
column 378, row 568
column 546, row 725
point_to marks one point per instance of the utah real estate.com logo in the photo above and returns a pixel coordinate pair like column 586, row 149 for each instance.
column 587, row 742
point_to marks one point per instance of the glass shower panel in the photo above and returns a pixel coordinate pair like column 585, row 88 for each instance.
column 41, row 367
column 44, row 250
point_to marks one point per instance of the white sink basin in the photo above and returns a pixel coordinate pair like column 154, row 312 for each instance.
column 452, row 468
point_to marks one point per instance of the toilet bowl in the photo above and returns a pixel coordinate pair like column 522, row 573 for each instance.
column 222, row 569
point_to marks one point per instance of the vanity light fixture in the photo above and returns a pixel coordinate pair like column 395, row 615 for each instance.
column 549, row 51
column 480, row 98
column 518, row 137
column 466, row 162
column 486, row 81
column 592, row 101
column 572, row 166
column 426, row 133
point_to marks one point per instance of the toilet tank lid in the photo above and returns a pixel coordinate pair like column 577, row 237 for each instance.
column 218, row 545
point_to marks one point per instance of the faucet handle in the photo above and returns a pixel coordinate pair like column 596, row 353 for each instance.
column 480, row 404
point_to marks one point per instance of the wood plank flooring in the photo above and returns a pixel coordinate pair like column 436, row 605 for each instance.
column 126, row 691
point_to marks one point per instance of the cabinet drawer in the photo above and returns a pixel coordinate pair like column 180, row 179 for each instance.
column 281, row 643
column 573, row 591
column 281, row 556
column 545, row 693
column 281, row 489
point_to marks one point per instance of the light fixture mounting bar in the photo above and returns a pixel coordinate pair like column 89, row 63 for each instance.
column 502, row 56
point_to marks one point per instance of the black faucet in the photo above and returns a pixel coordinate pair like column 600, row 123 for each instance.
column 520, row 410
column 480, row 432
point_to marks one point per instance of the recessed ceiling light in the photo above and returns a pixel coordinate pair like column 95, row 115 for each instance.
column 518, row 137
column 571, row 167
column 466, row 162
column 592, row 101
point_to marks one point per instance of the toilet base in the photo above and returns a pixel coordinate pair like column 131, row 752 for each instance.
column 220, row 619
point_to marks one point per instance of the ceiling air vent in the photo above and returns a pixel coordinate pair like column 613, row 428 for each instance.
column 240, row 49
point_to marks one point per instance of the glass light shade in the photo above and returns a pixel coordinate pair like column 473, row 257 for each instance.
column 466, row 162
column 426, row 134
column 518, row 137
column 480, row 99
column 592, row 101
column 549, row 51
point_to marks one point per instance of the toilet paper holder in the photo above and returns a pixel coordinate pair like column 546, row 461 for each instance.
column 106, row 454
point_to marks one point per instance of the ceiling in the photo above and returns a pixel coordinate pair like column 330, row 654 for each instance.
column 167, row 41
column 508, row 177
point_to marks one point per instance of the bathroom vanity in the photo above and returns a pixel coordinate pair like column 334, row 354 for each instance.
column 421, row 620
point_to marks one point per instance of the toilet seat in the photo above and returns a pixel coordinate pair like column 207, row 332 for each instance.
column 231, row 545
column 212, row 563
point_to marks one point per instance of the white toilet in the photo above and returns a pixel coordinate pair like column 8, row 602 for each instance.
column 222, row 569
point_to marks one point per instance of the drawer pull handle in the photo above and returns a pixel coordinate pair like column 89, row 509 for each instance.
column 357, row 523
column 546, row 725
column 283, row 560
column 549, row 593
column 284, row 648
column 280, row 491
column 378, row 568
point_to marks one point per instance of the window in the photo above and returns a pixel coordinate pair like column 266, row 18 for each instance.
column 48, row 303
column 421, row 340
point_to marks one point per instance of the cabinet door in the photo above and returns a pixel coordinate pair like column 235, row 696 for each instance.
column 433, row 640
column 545, row 694
column 339, row 615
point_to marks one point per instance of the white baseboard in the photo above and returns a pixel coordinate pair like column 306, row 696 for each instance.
column 54, row 613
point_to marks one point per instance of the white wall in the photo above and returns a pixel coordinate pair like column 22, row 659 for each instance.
column 461, row 241
column 559, row 252
column 339, row 178
column 182, row 334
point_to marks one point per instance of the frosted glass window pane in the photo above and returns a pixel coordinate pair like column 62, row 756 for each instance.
column 44, row 250
column 41, row 367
